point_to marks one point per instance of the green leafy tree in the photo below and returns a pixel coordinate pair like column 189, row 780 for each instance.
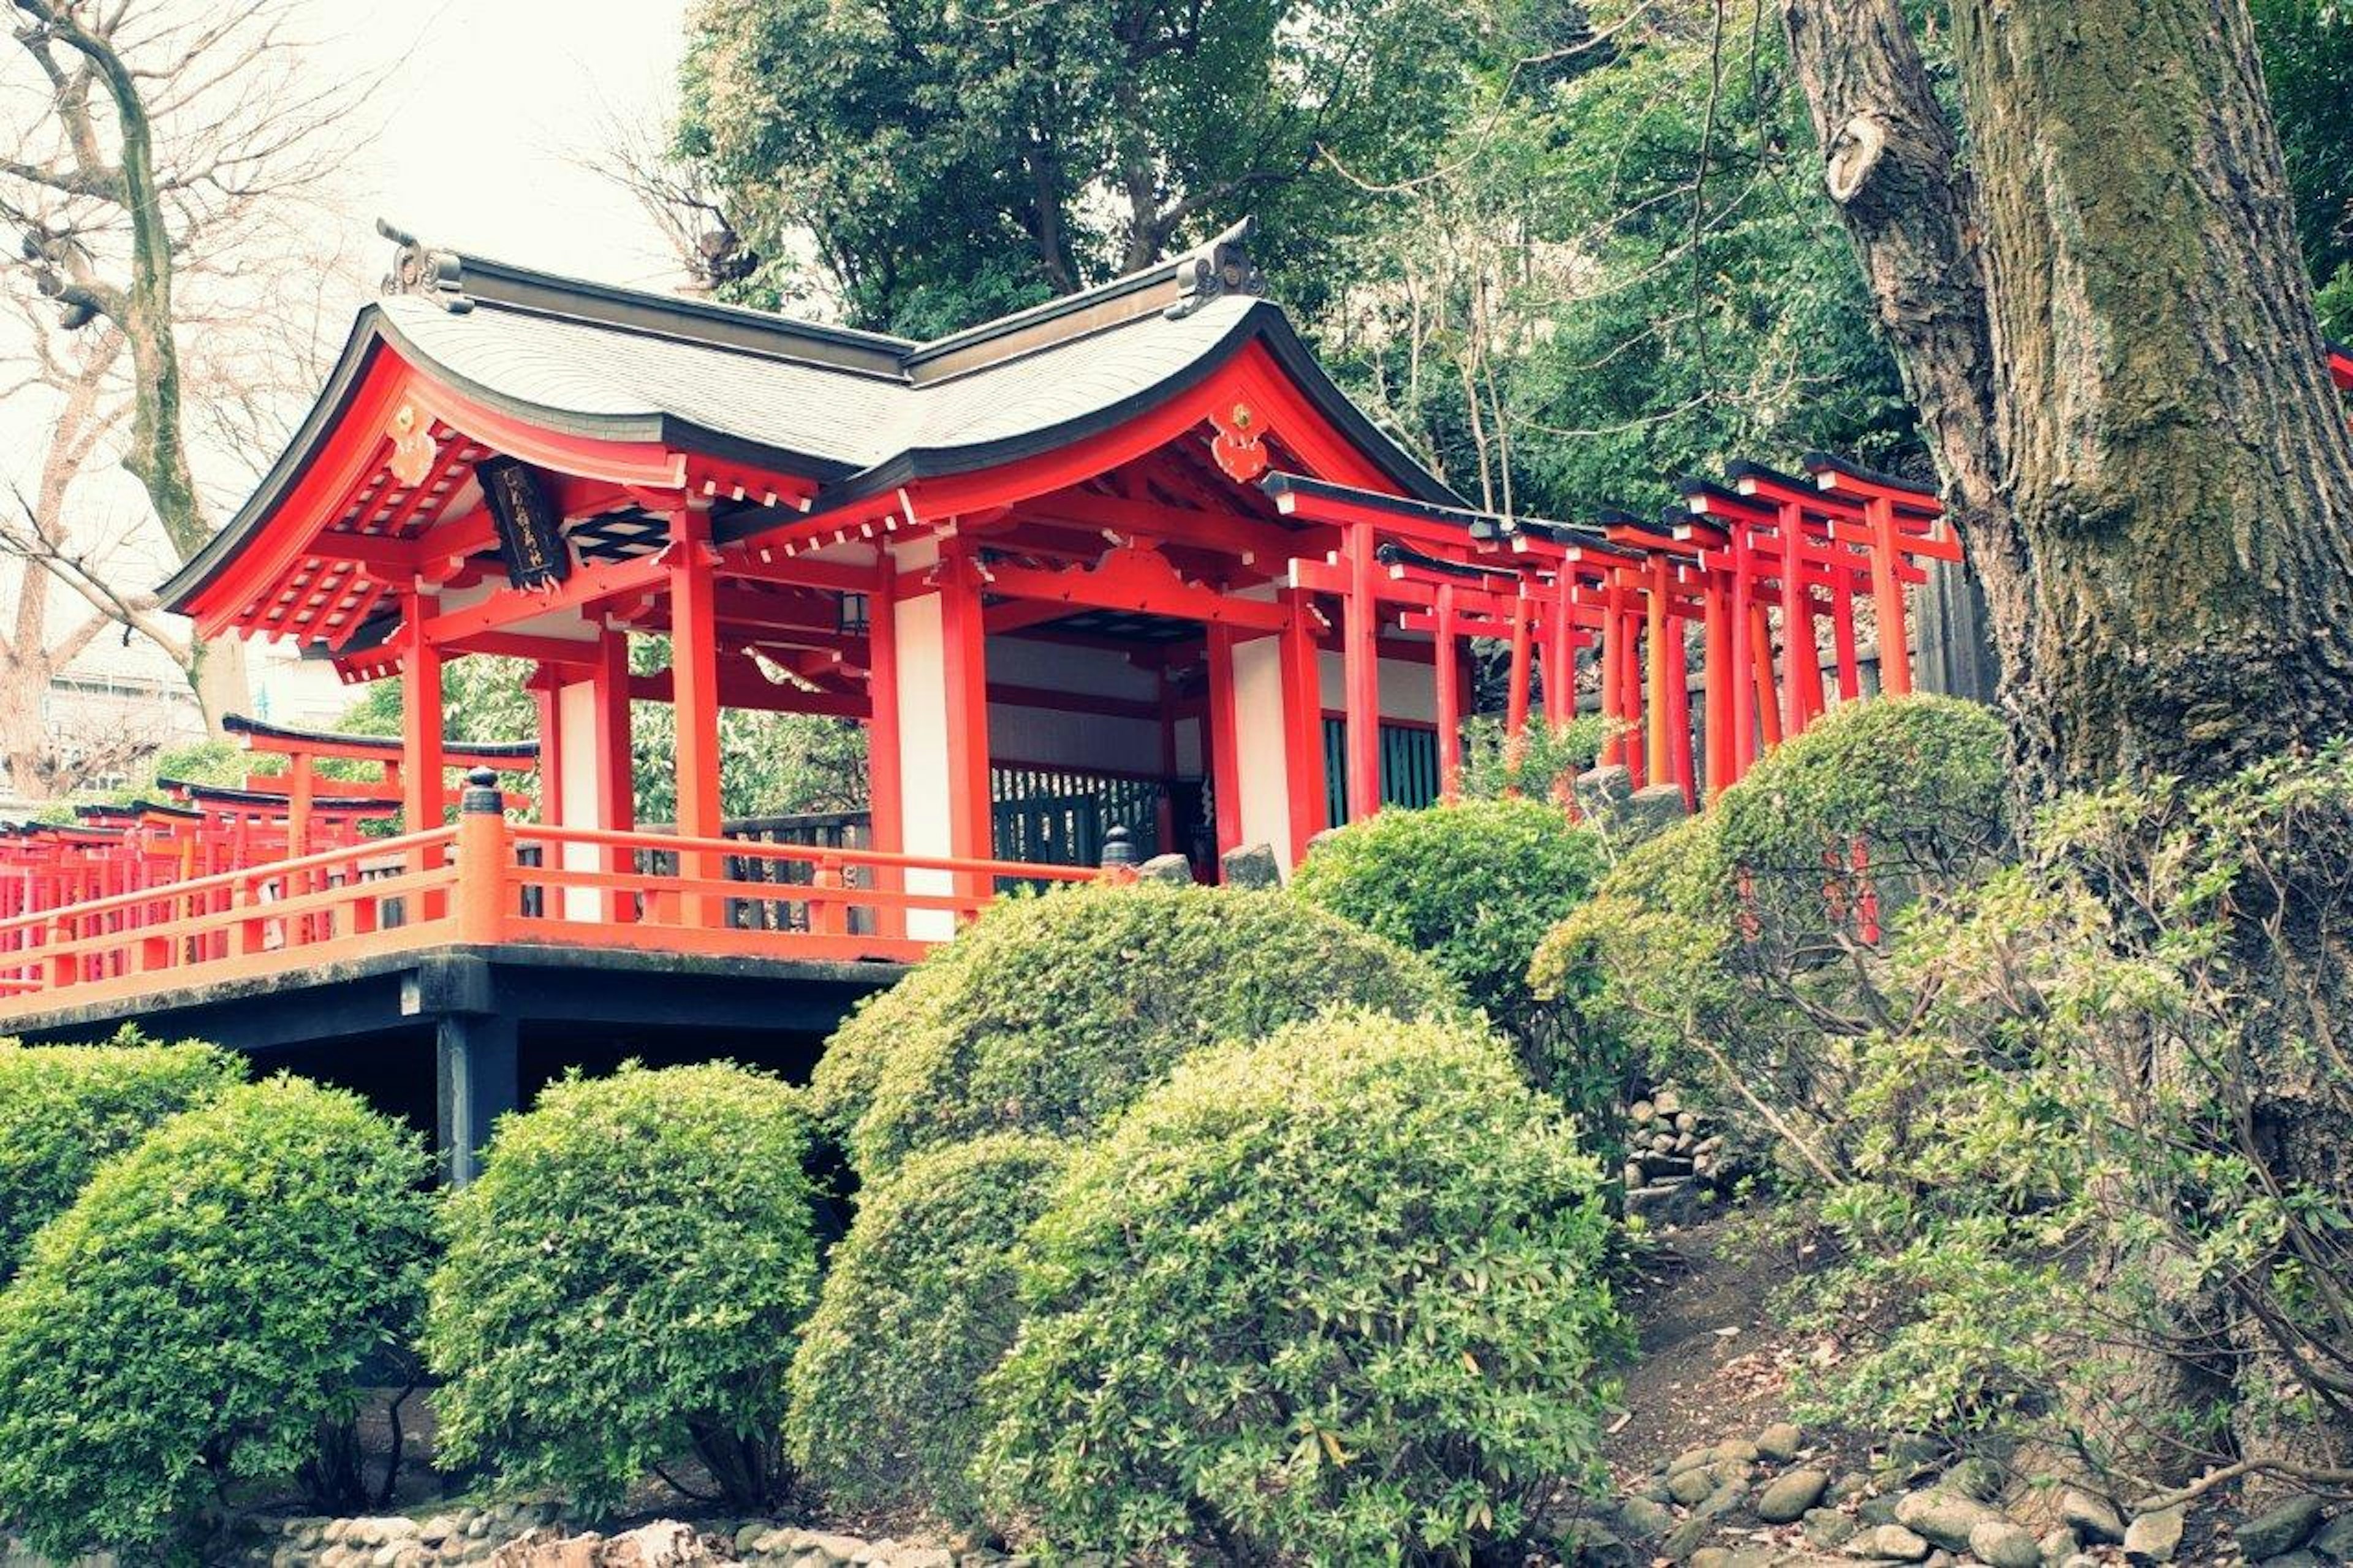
column 624, row 1285
column 1335, row 1297
column 2308, row 48
column 1053, row 1013
column 66, row 1109
column 934, row 165
column 919, row 1305
column 201, row 1315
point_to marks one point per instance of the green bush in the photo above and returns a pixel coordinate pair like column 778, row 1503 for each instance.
column 1744, row 952
column 624, row 1283
column 1334, row 1297
column 1053, row 1013
column 200, row 1315
column 918, row 1305
column 1474, row 887
column 65, row 1110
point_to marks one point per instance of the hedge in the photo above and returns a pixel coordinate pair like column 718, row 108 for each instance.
column 201, row 1314
column 65, row 1110
column 918, row 1305
column 1332, row 1297
column 624, row 1285
column 1054, row 1013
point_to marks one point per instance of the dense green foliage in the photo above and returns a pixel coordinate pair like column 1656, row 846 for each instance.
column 1053, row 1013
column 623, row 1284
column 200, row 1315
column 1334, row 1297
column 936, row 165
column 769, row 764
column 1735, row 949
column 919, row 1304
column 2307, row 49
column 1473, row 886
column 1542, row 762
column 66, row 1109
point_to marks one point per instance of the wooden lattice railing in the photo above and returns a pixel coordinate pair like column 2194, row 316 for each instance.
column 490, row 881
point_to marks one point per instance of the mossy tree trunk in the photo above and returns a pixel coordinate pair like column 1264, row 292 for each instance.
column 2110, row 335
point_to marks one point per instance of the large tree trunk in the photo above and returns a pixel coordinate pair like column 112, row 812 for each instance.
column 2112, row 344
column 2178, row 463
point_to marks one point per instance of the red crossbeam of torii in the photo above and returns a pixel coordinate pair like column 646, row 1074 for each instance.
column 1760, row 564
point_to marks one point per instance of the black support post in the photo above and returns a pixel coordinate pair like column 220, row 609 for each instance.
column 477, row 1079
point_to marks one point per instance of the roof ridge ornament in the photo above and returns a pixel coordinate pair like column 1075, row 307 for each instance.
column 1218, row 267
column 420, row 269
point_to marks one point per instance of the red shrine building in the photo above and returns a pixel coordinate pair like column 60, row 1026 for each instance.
column 1127, row 566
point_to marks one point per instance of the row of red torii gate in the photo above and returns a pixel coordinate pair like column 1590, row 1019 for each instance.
column 1129, row 560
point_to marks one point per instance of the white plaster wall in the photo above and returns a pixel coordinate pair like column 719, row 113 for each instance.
column 576, row 792
column 1053, row 737
column 1258, row 729
column 923, row 755
column 1408, row 691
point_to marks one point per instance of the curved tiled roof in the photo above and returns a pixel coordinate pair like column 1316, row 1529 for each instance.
column 856, row 412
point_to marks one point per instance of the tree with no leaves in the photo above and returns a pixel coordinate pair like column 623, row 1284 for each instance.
column 154, row 155
column 2105, row 323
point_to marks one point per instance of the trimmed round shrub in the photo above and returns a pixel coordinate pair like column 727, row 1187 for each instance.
column 65, row 1110
column 919, row 1304
column 1334, row 1297
column 1053, row 1013
column 1473, row 886
column 624, row 1283
column 201, row 1314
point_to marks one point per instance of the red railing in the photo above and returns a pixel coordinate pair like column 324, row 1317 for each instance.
column 488, row 882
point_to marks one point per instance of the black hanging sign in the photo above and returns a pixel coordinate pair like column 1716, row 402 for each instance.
column 530, row 534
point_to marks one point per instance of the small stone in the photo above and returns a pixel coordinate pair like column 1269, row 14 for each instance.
column 1689, row 1487
column 438, row 1529
column 1780, row 1442
column 2279, row 1529
column 1668, row 1100
column 1738, row 1451
column 1788, row 1499
column 1878, row 1509
column 1711, row 1557
column 1828, row 1528
column 1977, row 1479
column 2058, row 1546
column 2154, row 1537
column 1642, row 1518
column 1686, row 1122
column 1250, row 865
column 1173, row 868
column 1888, row 1543
column 1633, row 1175
column 1944, row 1517
column 2335, row 1541
column 1851, row 1487
column 922, row 1557
column 2296, row 1558
column 1641, row 1111
column 2091, row 1517
column 747, row 1537
column 2001, row 1544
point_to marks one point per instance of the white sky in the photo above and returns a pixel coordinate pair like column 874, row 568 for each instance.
column 477, row 139
column 487, row 107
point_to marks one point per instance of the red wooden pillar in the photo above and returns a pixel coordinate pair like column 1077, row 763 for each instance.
column 694, row 698
column 1560, row 654
column 421, row 767
column 1849, row 666
column 1360, row 657
column 1515, row 697
column 963, row 648
column 1887, row 595
column 1743, row 650
column 885, row 805
column 302, row 793
column 1225, row 740
column 1760, row 641
column 611, row 740
column 1613, row 667
column 1679, row 715
column 1802, row 668
column 545, row 682
column 1629, row 672
column 1303, row 718
column 1657, row 765
column 1717, row 655
column 1448, row 679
